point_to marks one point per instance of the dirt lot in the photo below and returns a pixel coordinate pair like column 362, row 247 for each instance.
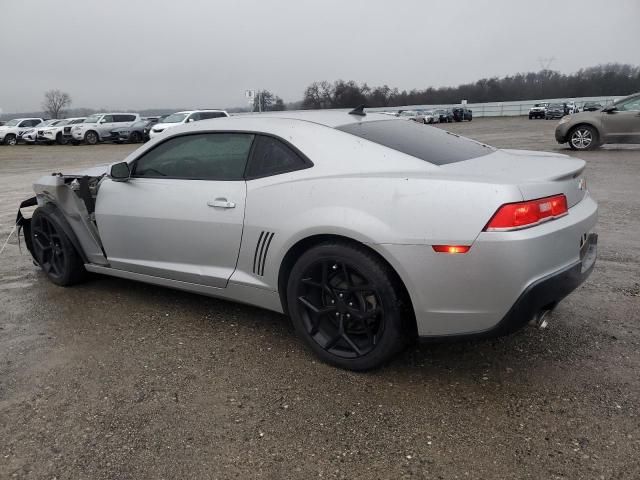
column 118, row 380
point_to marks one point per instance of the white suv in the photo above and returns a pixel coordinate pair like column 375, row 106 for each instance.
column 98, row 127
column 60, row 132
column 179, row 118
column 12, row 131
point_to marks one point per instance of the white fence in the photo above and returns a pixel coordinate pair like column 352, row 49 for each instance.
column 504, row 109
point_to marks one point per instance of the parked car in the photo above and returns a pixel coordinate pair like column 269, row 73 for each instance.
column 618, row 123
column 570, row 108
column 406, row 114
column 426, row 117
column 591, row 106
column 554, row 110
column 136, row 133
column 60, row 132
column 30, row 136
column 12, row 131
column 538, row 110
column 97, row 127
column 420, row 232
column 179, row 118
column 445, row 115
column 462, row 113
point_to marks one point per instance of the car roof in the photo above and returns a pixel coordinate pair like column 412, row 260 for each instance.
column 328, row 118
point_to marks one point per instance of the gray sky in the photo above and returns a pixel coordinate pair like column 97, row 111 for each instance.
column 138, row 54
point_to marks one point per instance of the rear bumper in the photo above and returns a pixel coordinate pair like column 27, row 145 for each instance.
column 496, row 282
column 546, row 293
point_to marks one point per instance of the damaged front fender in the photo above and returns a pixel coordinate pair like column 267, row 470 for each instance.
column 72, row 200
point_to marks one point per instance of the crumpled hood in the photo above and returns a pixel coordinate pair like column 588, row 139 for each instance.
column 96, row 171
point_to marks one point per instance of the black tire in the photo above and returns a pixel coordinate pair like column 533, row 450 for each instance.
column 60, row 140
column 344, row 303
column 135, row 137
column 583, row 137
column 10, row 139
column 53, row 250
column 530, row 117
column 91, row 138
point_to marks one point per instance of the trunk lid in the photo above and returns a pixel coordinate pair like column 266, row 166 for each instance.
column 536, row 174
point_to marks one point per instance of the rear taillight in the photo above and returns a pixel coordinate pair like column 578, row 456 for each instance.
column 514, row 216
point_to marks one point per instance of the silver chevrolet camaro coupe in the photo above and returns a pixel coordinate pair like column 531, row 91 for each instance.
column 365, row 229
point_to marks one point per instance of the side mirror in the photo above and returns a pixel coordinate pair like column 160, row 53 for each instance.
column 120, row 172
column 190, row 120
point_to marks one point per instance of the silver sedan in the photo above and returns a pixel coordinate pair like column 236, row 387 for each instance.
column 368, row 231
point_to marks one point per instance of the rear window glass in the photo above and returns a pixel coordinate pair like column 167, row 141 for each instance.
column 427, row 143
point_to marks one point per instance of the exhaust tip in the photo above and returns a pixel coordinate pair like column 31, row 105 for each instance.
column 541, row 319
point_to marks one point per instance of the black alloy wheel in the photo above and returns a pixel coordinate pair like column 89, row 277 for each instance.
column 53, row 250
column 344, row 303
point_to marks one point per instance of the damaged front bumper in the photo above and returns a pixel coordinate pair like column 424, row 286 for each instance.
column 74, row 196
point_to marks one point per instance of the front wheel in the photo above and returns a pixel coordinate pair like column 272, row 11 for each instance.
column 53, row 250
column 135, row 137
column 10, row 139
column 60, row 140
column 91, row 137
column 346, row 306
column 583, row 137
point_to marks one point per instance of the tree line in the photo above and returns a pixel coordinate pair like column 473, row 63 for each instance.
column 601, row 80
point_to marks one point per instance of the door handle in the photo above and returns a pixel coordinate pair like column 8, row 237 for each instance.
column 221, row 203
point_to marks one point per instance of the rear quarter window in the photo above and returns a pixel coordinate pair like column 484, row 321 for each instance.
column 425, row 142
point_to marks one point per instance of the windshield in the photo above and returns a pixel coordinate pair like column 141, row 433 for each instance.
column 61, row 123
column 432, row 145
column 93, row 119
column 77, row 120
column 49, row 123
column 175, row 118
column 12, row 123
column 556, row 105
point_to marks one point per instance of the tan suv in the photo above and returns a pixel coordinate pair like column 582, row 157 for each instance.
column 617, row 123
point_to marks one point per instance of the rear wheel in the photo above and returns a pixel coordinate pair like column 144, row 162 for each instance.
column 53, row 250
column 91, row 137
column 344, row 303
column 583, row 137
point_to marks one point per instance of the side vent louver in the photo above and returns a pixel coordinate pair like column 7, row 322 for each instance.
column 260, row 255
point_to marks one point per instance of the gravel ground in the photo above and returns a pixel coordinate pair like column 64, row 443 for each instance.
column 118, row 380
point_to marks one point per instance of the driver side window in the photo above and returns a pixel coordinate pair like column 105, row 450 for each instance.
column 203, row 156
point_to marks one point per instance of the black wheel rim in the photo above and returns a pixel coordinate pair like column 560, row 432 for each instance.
column 91, row 137
column 47, row 246
column 340, row 308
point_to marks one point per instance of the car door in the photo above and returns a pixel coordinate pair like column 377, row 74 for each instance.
column 105, row 126
column 180, row 215
column 622, row 125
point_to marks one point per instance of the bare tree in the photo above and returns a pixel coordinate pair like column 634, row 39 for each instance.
column 54, row 102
